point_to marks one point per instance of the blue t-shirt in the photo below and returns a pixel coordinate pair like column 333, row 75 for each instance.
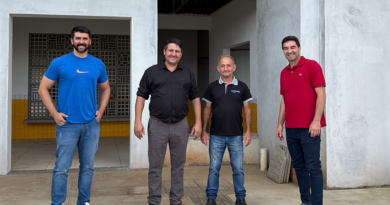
column 77, row 78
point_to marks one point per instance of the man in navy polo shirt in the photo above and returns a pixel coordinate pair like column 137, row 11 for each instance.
column 302, row 86
column 226, row 98
column 78, row 116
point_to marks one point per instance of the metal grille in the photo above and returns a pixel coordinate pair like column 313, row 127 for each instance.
column 122, row 91
column 38, row 110
column 124, row 43
column 111, row 74
column 38, row 41
column 124, row 58
column 113, row 50
column 123, row 75
column 57, row 42
column 36, row 75
column 38, row 58
column 108, row 58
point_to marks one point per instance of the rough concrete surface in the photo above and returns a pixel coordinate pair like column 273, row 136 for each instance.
column 356, row 53
column 131, row 188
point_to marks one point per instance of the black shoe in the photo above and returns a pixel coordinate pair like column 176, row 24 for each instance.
column 211, row 202
column 241, row 202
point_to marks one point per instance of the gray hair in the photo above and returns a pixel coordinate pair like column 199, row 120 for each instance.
column 226, row 56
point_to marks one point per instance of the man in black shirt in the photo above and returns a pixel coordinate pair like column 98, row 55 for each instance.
column 170, row 85
column 226, row 98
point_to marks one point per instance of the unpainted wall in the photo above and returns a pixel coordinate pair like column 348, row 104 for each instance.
column 231, row 26
column 358, row 115
column 242, row 60
column 276, row 19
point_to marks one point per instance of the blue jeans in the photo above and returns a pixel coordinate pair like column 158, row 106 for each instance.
column 68, row 136
column 217, row 148
column 305, row 157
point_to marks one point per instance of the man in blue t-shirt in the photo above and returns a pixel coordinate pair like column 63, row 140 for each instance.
column 78, row 116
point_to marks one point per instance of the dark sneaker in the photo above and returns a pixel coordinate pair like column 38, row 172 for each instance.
column 211, row 202
column 241, row 202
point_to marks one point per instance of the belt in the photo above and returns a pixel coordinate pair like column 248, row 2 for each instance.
column 153, row 117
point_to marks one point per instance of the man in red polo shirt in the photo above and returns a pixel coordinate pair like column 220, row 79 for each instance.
column 302, row 86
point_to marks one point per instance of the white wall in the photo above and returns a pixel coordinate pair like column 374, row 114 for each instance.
column 232, row 25
column 358, row 87
column 24, row 26
column 143, row 32
column 190, row 46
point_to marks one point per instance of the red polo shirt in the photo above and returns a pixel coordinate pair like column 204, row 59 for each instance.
column 297, row 86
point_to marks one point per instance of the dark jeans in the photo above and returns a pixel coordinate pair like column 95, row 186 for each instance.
column 86, row 137
column 161, row 134
column 217, row 147
column 305, row 157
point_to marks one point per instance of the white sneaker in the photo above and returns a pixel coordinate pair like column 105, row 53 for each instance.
column 86, row 203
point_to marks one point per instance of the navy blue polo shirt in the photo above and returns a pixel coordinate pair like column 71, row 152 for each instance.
column 227, row 102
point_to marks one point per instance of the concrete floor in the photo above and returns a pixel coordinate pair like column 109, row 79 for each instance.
column 32, row 161
column 110, row 188
column 38, row 154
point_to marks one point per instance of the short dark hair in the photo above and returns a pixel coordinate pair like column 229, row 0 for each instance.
column 175, row 41
column 81, row 29
column 291, row 38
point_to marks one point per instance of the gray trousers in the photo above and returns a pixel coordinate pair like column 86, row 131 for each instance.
column 159, row 135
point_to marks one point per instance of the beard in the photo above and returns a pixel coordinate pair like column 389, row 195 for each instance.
column 81, row 44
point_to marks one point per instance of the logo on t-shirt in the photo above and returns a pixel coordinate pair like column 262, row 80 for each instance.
column 300, row 74
column 82, row 71
column 235, row 91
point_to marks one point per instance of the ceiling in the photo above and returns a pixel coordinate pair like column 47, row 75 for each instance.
column 202, row 7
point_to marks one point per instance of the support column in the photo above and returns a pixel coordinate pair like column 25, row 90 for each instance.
column 141, row 25
column 5, row 92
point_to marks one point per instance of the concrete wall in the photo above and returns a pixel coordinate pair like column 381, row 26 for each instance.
column 242, row 60
column 24, row 26
column 233, row 25
column 189, row 38
column 276, row 19
column 352, row 52
column 356, row 60
column 143, row 32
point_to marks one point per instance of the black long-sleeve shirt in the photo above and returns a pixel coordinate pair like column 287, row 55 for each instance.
column 169, row 91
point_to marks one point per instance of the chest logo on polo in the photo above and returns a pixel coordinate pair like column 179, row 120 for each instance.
column 300, row 74
column 235, row 91
column 82, row 71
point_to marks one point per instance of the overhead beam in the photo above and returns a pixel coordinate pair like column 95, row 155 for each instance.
column 173, row 6
column 180, row 7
